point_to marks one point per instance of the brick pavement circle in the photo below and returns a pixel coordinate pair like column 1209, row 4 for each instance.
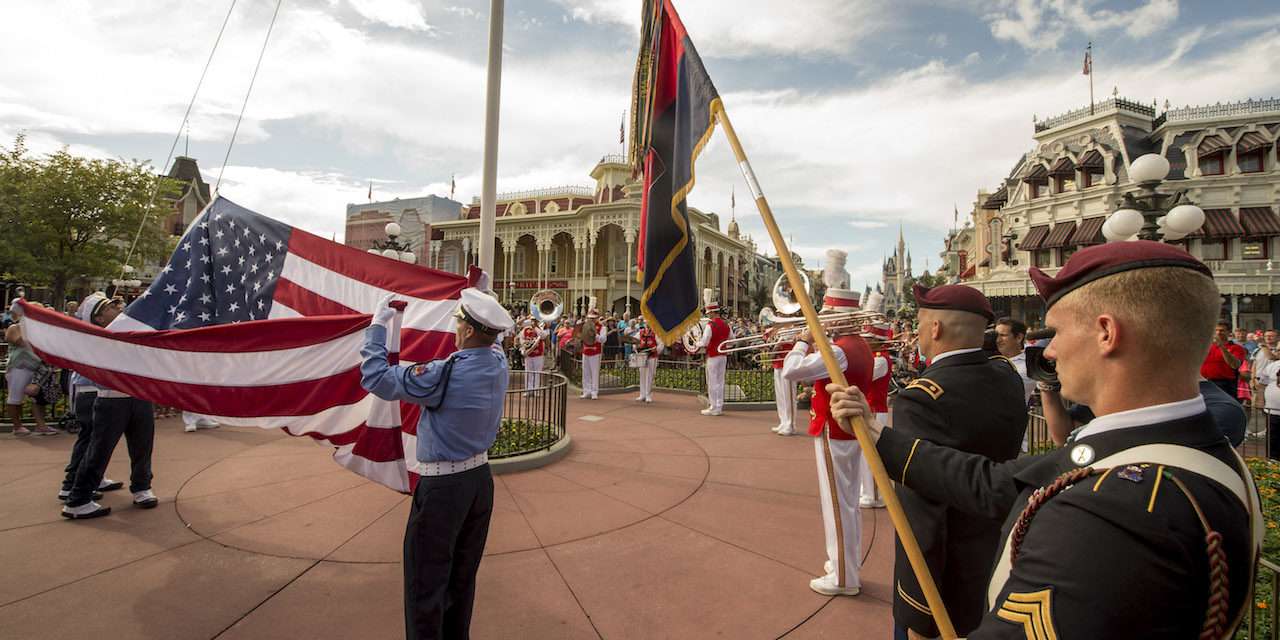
column 660, row 523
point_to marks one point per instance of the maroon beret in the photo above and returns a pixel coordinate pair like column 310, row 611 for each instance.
column 1100, row 261
column 956, row 297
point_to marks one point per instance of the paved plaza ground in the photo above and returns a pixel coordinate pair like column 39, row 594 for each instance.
column 660, row 523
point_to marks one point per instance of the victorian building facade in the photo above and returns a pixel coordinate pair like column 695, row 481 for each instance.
column 580, row 242
column 1057, row 196
column 366, row 223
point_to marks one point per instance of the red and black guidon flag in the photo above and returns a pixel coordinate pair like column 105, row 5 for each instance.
column 676, row 108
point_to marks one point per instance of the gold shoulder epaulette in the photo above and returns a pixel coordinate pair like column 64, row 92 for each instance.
column 928, row 386
column 1000, row 357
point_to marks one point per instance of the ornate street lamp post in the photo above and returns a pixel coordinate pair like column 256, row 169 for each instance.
column 392, row 247
column 1148, row 215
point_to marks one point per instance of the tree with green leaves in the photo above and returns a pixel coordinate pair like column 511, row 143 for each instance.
column 67, row 217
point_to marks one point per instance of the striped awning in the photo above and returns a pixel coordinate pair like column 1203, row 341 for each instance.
column 1060, row 236
column 1089, row 232
column 1218, row 223
column 997, row 199
column 1252, row 141
column 1063, row 167
column 1037, row 174
column 1259, row 222
column 1212, row 144
column 1034, row 238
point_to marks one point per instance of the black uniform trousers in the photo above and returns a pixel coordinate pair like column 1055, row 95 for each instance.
column 113, row 417
column 443, row 543
column 82, row 404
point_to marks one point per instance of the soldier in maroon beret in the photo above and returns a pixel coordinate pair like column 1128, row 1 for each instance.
column 971, row 401
column 1146, row 524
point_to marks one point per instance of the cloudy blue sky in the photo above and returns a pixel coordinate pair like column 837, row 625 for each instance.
column 859, row 115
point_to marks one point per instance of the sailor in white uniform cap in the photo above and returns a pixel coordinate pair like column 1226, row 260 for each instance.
column 461, row 398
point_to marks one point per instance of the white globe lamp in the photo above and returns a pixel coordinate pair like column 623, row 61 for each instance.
column 392, row 229
column 1184, row 218
column 375, row 252
column 1149, row 169
column 408, row 256
column 1108, row 232
column 391, row 253
column 1126, row 222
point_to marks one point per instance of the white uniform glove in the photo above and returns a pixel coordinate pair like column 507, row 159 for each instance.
column 383, row 314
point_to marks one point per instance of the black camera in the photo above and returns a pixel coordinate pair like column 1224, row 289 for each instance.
column 1040, row 368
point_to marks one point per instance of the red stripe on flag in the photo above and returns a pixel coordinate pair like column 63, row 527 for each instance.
column 424, row 346
column 379, row 444
column 301, row 398
column 307, row 302
column 266, row 335
column 384, row 273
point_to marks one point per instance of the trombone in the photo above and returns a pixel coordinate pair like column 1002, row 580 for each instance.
column 782, row 330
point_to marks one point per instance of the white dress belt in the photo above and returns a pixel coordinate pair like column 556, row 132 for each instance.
column 449, row 468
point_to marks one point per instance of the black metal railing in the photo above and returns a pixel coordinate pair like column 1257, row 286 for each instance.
column 1264, row 614
column 533, row 413
column 683, row 374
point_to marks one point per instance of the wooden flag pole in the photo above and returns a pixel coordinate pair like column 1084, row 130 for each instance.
column 859, row 426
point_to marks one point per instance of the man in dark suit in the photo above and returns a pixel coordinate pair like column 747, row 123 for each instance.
column 973, row 401
column 1146, row 524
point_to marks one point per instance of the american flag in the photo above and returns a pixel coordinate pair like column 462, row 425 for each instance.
column 257, row 323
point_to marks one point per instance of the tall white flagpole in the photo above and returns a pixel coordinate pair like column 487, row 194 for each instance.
column 489, row 187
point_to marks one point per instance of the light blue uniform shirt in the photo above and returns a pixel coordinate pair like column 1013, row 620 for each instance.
column 461, row 396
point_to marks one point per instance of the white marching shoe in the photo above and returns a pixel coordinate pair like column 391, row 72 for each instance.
column 826, row 585
column 711, row 412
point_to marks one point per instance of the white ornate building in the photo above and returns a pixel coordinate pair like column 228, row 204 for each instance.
column 580, row 241
column 1057, row 196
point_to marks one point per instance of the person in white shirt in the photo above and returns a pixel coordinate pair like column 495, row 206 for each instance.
column 1268, row 378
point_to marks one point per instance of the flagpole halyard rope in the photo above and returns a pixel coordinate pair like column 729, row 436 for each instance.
column 155, row 185
column 252, row 79
column 858, row 426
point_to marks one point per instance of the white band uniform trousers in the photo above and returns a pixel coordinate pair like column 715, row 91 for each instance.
column 647, row 373
column 784, row 394
column 846, row 457
column 715, row 381
column 591, row 376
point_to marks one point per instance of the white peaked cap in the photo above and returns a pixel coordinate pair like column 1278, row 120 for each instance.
column 485, row 309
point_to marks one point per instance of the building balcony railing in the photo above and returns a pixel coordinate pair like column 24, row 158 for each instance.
column 548, row 192
column 1213, row 111
column 1106, row 106
column 613, row 158
column 1243, row 267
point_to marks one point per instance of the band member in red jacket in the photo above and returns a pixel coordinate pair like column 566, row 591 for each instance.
column 717, row 332
column 784, row 391
column 591, row 335
column 877, row 334
column 647, row 345
column 532, row 342
column 839, row 456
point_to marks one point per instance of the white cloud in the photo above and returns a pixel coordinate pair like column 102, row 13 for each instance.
column 403, row 14
column 1042, row 24
column 939, row 40
column 797, row 27
column 868, row 224
column 907, row 147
